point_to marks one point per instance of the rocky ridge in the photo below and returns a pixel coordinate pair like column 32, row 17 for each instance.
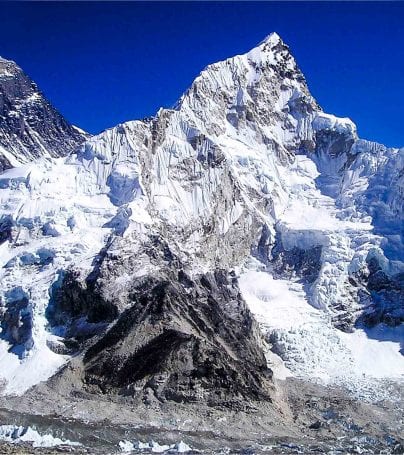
column 30, row 127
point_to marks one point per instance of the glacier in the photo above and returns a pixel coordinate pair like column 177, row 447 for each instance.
column 245, row 173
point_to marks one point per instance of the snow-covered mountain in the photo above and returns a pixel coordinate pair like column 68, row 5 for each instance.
column 157, row 238
column 29, row 126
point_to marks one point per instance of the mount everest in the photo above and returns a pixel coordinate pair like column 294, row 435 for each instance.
column 30, row 127
column 242, row 237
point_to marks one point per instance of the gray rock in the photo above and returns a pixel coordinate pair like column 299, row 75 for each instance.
column 184, row 338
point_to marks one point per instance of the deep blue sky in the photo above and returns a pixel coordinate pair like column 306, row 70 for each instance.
column 104, row 63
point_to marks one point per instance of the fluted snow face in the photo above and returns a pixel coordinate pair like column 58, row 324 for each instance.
column 261, row 95
column 247, row 164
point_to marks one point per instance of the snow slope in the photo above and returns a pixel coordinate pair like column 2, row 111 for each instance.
column 305, row 339
column 246, row 172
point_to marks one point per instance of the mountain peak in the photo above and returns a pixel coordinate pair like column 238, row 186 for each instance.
column 152, row 258
column 272, row 50
column 250, row 88
column 8, row 62
column 24, row 135
column 273, row 39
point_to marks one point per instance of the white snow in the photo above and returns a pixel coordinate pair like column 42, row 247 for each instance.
column 323, row 121
column 9, row 157
column 17, row 376
column 155, row 447
column 18, row 434
column 297, row 318
column 77, row 128
column 58, row 211
column 308, row 343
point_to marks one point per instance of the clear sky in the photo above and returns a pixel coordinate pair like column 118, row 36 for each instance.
column 105, row 63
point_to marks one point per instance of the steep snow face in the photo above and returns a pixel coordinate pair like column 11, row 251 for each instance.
column 339, row 238
column 262, row 91
column 29, row 126
column 52, row 222
column 247, row 165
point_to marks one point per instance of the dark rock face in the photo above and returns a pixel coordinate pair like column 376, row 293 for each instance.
column 80, row 309
column 333, row 143
column 386, row 307
column 304, row 264
column 74, row 299
column 384, row 299
column 6, row 225
column 16, row 322
column 185, row 339
column 29, row 125
column 182, row 339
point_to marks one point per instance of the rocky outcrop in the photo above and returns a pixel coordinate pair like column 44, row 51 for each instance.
column 296, row 262
column 16, row 321
column 382, row 297
column 73, row 299
column 180, row 338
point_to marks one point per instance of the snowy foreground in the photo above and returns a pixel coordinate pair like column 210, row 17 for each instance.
column 246, row 174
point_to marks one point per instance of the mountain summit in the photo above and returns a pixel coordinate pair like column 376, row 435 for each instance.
column 29, row 126
column 202, row 254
